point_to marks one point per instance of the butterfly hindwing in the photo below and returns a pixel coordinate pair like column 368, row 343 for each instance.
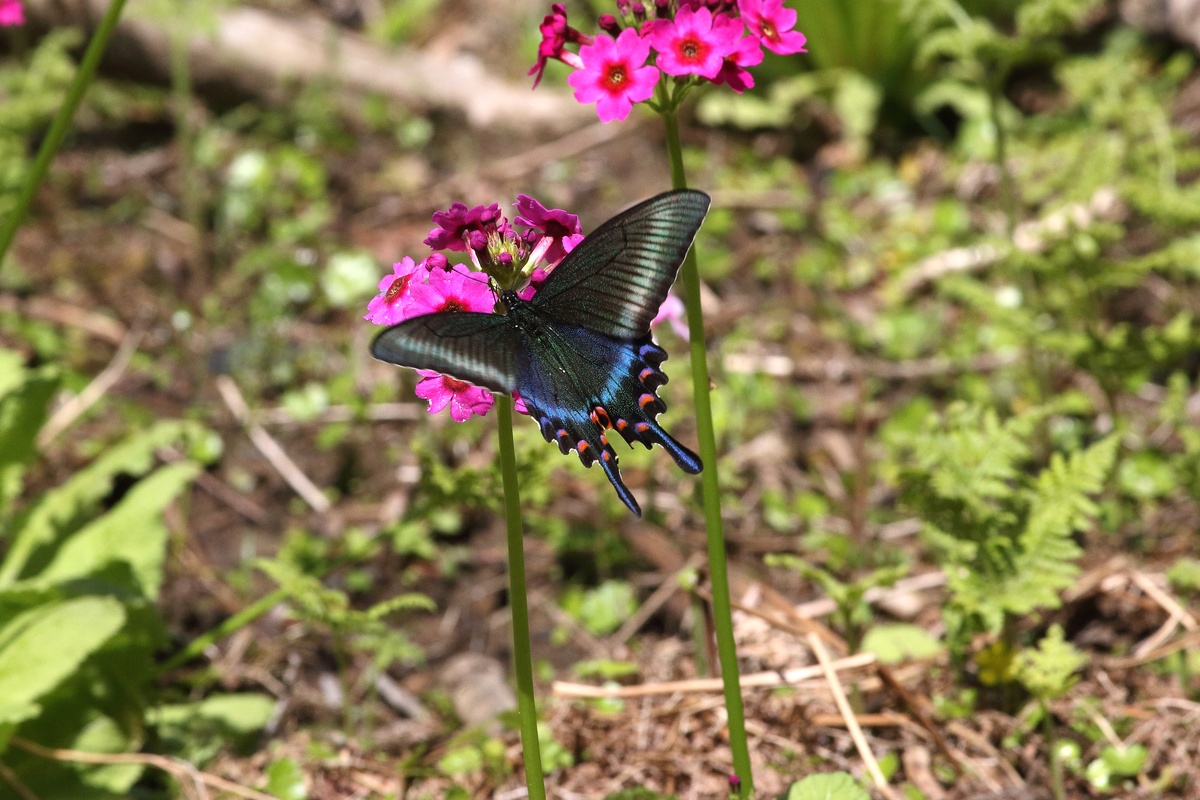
column 580, row 385
column 479, row 348
column 615, row 280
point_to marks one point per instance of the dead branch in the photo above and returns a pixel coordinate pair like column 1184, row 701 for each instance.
column 254, row 53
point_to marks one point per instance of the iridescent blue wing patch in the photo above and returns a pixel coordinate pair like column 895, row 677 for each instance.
column 606, row 385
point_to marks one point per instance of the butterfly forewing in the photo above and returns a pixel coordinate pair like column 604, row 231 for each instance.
column 615, row 280
column 479, row 348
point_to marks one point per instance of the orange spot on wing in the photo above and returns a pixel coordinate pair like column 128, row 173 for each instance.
column 646, row 400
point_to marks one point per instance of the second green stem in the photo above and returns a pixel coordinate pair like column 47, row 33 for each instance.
column 705, row 433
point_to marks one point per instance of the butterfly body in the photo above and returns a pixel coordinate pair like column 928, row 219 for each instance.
column 579, row 352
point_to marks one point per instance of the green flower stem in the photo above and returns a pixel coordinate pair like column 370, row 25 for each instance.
column 718, row 571
column 519, row 605
column 60, row 124
column 239, row 620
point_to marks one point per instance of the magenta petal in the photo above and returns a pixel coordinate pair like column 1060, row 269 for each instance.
column 431, row 387
column 788, row 43
column 613, row 75
column 394, row 300
column 11, row 13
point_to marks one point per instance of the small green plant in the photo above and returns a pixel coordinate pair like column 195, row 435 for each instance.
column 1004, row 534
column 853, row 610
column 601, row 610
column 349, row 629
column 829, row 786
column 1048, row 672
column 1116, row 764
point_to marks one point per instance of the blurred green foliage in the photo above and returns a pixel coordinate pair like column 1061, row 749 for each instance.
column 80, row 578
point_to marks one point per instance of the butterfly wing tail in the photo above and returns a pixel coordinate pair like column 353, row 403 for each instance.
column 582, row 436
column 608, row 462
column 687, row 461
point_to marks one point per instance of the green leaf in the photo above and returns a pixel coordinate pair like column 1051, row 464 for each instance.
column 830, row 786
column 59, row 512
column 554, row 755
column 1125, row 762
column 23, row 411
column 12, row 371
column 1184, row 574
column 285, row 780
column 896, row 642
column 199, row 731
column 606, row 669
column 350, row 279
column 1048, row 671
column 602, row 610
column 638, row 793
column 1147, row 475
column 234, row 714
column 460, row 761
column 43, row 646
column 102, row 734
column 132, row 534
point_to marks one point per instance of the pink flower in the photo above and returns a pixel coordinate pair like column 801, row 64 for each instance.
column 390, row 306
column 460, row 226
column 519, row 403
column 772, row 24
column 555, row 223
column 672, row 311
column 748, row 54
column 463, row 398
column 695, row 42
column 555, row 35
column 614, row 76
column 536, row 279
column 11, row 13
column 451, row 291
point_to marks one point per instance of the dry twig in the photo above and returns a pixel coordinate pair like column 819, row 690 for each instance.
column 270, row 448
column 767, row 680
column 74, row 408
column 184, row 772
column 60, row 313
column 839, row 697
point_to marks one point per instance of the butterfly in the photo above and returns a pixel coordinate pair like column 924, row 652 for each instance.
column 579, row 351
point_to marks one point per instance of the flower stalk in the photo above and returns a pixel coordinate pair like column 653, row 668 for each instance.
column 519, row 605
column 711, row 489
column 60, row 125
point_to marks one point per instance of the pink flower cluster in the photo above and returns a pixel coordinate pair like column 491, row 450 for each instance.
column 499, row 253
column 694, row 40
column 11, row 13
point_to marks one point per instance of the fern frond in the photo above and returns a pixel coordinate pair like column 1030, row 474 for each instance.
column 1061, row 505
